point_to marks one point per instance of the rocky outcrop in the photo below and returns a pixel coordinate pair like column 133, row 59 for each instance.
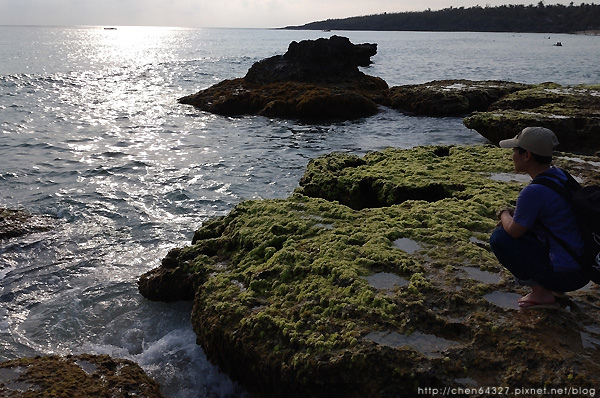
column 572, row 112
column 450, row 97
column 15, row 223
column 320, row 79
column 375, row 279
column 312, row 80
column 333, row 60
column 85, row 375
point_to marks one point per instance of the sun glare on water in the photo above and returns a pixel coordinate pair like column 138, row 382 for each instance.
column 129, row 44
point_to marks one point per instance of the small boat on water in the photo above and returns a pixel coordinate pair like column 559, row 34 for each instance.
column 558, row 44
column 110, row 28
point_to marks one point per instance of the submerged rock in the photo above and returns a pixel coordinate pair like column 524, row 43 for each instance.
column 450, row 97
column 375, row 279
column 15, row 223
column 84, row 375
column 313, row 79
column 572, row 112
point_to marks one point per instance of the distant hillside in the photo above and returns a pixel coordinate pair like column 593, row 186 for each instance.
column 508, row 18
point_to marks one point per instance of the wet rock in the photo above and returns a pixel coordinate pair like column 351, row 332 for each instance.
column 288, row 302
column 572, row 112
column 15, row 223
column 312, row 80
column 75, row 376
column 170, row 282
column 450, row 97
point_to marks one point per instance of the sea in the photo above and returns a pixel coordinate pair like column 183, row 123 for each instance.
column 92, row 135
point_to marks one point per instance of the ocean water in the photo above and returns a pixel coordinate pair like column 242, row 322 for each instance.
column 92, row 135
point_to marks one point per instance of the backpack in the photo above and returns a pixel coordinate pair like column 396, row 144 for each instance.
column 586, row 206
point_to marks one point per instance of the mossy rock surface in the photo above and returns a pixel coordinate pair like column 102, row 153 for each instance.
column 450, row 97
column 359, row 289
column 297, row 100
column 89, row 376
column 15, row 223
column 572, row 112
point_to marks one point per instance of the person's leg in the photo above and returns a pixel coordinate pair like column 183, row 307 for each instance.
column 526, row 258
column 563, row 281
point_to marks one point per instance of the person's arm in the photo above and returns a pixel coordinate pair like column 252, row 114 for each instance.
column 511, row 227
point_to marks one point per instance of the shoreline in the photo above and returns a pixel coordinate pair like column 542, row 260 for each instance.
column 587, row 32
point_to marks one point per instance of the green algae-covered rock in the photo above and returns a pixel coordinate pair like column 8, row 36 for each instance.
column 88, row 376
column 450, row 97
column 364, row 283
column 572, row 112
column 392, row 177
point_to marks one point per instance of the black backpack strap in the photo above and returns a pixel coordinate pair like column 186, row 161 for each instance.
column 565, row 188
column 552, row 184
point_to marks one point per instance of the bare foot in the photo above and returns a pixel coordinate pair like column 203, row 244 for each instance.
column 538, row 295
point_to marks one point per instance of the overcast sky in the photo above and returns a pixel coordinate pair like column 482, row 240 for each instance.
column 214, row 13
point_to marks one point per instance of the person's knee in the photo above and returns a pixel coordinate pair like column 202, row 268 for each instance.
column 499, row 238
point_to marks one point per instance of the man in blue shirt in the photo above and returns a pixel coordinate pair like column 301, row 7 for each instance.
column 521, row 241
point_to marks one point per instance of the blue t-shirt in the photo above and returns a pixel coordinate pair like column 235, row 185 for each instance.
column 538, row 206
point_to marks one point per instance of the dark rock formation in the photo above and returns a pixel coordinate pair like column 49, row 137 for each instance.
column 306, row 296
column 450, row 97
column 313, row 79
column 89, row 376
column 15, row 223
column 333, row 60
column 572, row 112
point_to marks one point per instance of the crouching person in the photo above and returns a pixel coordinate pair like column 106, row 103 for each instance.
column 524, row 241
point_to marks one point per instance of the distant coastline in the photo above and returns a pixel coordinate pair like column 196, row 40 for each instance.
column 588, row 32
column 540, row 18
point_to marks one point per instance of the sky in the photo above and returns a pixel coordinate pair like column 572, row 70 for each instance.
column 215, row 13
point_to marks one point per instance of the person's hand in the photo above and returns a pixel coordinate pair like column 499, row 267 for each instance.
column 510, row 210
